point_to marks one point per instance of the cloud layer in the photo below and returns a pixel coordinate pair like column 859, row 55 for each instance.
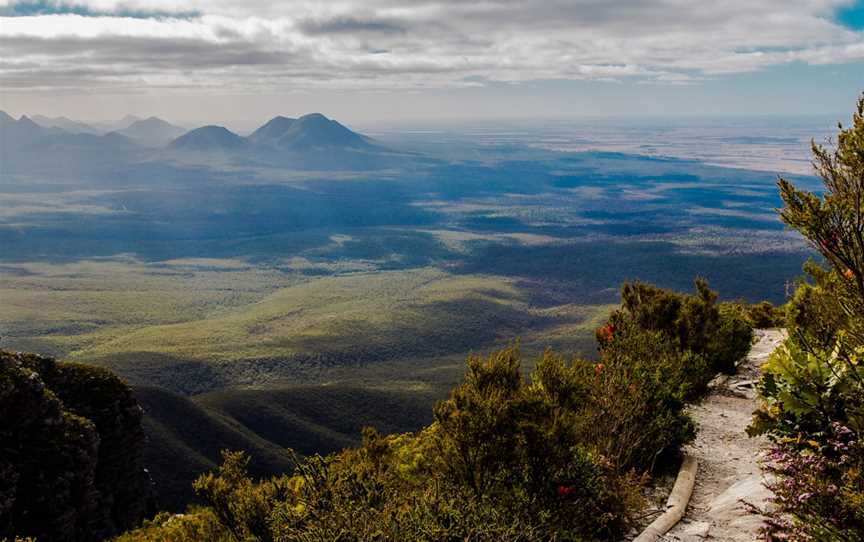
column 250, row 45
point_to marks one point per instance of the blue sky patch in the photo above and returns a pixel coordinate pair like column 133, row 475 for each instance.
column 852, row 16
column 42, row 7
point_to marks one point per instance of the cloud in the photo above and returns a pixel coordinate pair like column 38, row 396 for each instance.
column 296, row 44
column 349, row 25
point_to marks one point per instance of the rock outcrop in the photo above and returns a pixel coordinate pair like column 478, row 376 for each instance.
column 71, row 451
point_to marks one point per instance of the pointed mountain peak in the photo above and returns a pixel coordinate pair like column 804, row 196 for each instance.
column 271, row 130
column 315, row 130
column 209, row 138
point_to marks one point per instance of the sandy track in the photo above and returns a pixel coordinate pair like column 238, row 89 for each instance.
column 728, row 459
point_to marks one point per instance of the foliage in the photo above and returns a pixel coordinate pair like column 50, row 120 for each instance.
column 634, row 401
column 763, row 315
column 197, row 524
column 694, row 323
column 70, row 464
column 561, row 455
column 821, row 486
column 813, row 387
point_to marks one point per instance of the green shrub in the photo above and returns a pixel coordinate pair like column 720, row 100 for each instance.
column 812, row 388
column 561, row 456
column 765, row 315
column 633, row 405
column 196, row 525
column 694, row 323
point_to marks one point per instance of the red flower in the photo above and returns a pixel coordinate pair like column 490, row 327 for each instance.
column 606, row 333
column 599, row 369
column 849, row 274
column 564, row 491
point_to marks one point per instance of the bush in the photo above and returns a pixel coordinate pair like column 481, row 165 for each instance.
column 764, row 315
column 560, row 456
column 563, row 455
column 634, row 398
column 693, row 323
column 813, row 387
column 196, row 525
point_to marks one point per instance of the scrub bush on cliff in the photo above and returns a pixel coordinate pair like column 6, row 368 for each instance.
column 813, row 386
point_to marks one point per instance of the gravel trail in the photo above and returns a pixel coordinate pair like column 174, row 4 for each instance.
column 728, row 459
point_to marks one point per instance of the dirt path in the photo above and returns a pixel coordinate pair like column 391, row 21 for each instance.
column 728, row 469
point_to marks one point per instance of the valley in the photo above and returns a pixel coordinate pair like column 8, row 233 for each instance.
column 258, row 300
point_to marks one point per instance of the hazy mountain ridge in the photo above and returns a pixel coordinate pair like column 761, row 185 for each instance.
column 208, row 138
column 152, row 132
column 312, row 131
column 67, row 124
column 59, row 144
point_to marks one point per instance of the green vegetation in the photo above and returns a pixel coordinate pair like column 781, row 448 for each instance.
column 199, row 325
column 562, row 454
column 694, row 323
column 186, row 434
column 813, row 386
column 71, row 466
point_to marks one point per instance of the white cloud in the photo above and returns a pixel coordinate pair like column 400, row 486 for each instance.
column 414, row 43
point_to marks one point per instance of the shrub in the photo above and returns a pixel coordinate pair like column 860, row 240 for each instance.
column 693, row 323
column 195, row 525
column 634, row 398
column 813, row 387
column 562, row 456
column 764, row 315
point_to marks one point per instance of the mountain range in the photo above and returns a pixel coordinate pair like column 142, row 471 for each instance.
column 152, row 132
column 309, row 142
column 309, row 132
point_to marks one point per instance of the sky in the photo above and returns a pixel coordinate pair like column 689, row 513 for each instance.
column 435, row 60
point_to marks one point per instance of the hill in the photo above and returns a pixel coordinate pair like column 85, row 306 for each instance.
column 208, row 138
column 313, row 131
column 184, row 440
column 28, row 148
column 152, row 132
column 320, row 419
column 271, row 130
column 69, row 125
column 185, row 435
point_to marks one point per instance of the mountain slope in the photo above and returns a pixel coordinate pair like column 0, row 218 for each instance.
column 270, row 132
column 72, row 467
column 152, row 132
column 209, row 138
column 185, row 435
column 320, row 419
column 184, row 440
column 317, row 131
column 69, row 125
column 26, row 147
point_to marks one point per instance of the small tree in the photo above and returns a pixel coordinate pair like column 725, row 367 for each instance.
column 813, row 386
column 834, row 222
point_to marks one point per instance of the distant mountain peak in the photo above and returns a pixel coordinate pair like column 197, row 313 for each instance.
column 309, row 131
column 64, row 123
column 271, row 130
column 26, row 121
column 209, row 138
column 152, row 131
